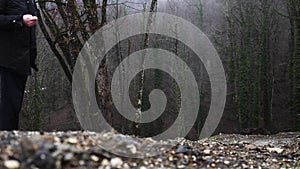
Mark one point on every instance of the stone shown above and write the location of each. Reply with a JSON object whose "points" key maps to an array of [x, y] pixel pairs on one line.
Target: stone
{"points": [[11, 164], [116, 162]]}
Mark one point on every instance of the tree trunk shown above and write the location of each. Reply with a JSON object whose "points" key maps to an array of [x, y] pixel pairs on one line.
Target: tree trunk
{"points": [[294, 10]]}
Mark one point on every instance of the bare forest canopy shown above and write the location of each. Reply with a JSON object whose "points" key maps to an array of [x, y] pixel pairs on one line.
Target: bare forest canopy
{"points": [[258, 42]]}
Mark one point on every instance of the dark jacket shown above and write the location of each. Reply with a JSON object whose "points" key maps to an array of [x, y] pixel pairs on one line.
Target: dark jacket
{"points": [[17, 41]]}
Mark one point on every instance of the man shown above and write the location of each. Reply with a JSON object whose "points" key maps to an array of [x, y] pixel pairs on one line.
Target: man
{"points": [[17, 56]]}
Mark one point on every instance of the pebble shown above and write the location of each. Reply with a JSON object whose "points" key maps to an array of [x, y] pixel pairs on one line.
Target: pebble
{"points": [[251, 147], [185, 161], [185, 148], [116, 162], [72, 140], [94, 158], [205, 144], [43, 159], [105, 162], [68, 156], [226, 162], [276, 150], [194, 158], [12, 164], [181, 166], [206, 152], [126, 166], [81, 162]]}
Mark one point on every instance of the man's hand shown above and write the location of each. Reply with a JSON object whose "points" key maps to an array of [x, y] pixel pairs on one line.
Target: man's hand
{"points": [[29, 20]]}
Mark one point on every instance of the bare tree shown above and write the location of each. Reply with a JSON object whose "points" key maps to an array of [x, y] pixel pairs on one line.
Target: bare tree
{"points": [[294, 15]]}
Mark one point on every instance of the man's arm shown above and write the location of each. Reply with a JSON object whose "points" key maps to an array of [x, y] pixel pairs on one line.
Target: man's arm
{"points": [[9, 21]]}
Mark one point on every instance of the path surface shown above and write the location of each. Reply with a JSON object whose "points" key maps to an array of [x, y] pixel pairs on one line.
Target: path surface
{"points": [[97, 150]]}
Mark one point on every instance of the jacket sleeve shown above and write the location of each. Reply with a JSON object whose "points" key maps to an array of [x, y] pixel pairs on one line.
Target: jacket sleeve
{"points": [[33, 49], [9, 21]]}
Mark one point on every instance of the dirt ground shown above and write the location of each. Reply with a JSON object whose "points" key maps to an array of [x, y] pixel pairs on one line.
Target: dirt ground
{"points": [[82, 149]]}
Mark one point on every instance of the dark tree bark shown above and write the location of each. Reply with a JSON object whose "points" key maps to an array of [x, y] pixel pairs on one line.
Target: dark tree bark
{"points": [[294, 15]]}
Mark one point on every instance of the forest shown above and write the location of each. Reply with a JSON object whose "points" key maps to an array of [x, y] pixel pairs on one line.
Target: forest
{"points": [[258, 42]]}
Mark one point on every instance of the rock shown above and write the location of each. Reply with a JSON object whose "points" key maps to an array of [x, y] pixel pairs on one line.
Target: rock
{"points": [[105, 162], [43, 159], [185, 149], [81, 162], [251, 147], [126, 166], [262, 143], [116, 162], [213, 165], [276, 150], [94, 158], [12, 164], [72, 140], [226, 162], [68, 156], [184, 161], [27, 147], [206, 152]]}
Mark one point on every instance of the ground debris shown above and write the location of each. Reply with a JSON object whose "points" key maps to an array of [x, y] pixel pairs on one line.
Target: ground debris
{"points": [[82, 149]]}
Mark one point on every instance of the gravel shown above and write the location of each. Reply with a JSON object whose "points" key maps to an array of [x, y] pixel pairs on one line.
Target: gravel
{"points": [[89, 150]]}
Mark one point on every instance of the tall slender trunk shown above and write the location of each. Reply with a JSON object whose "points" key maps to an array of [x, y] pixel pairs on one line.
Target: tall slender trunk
{"points": [[294, 11], [142, 76]]}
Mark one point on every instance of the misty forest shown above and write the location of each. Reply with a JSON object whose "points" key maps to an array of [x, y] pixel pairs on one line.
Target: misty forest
{"points": [[257, 41]]}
